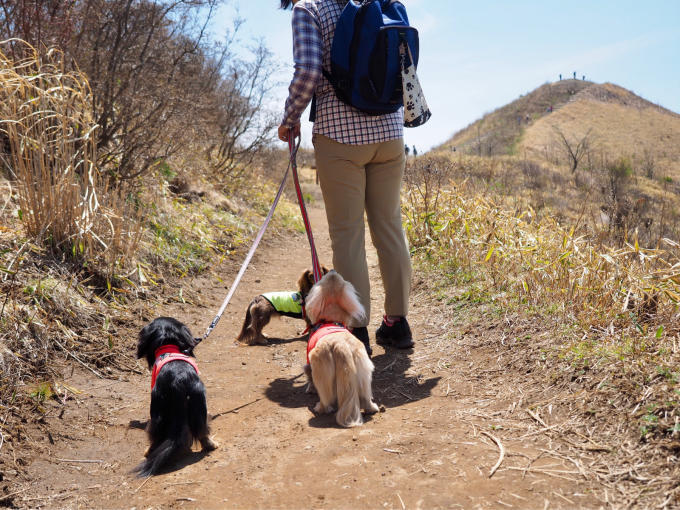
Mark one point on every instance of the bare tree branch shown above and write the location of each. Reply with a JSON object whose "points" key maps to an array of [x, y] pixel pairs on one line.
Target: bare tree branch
{"points": [[575, 150]]}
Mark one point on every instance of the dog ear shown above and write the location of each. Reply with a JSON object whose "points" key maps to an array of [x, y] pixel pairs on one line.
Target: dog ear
{"points": [[185, 340], [315, 303], [306, 282], [348, 300], [303, 282], [146, 342]]}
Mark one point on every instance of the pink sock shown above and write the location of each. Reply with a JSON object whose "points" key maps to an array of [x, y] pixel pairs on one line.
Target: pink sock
{"points": [[390, 320]]}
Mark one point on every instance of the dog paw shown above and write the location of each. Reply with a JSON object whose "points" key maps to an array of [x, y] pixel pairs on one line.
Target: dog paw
{"points": [[147, 452], [209, 444], [372, 409], [320, 409]]}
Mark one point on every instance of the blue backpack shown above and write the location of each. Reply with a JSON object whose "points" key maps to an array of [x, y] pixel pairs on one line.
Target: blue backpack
{"points": [[366, 60]]}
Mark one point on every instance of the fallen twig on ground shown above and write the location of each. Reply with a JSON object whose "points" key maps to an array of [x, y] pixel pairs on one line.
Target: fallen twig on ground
{"points": [[500, 447]]}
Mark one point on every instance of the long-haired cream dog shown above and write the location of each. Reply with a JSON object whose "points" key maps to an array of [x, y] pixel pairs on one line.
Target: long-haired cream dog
{"points": [[340, 368]]}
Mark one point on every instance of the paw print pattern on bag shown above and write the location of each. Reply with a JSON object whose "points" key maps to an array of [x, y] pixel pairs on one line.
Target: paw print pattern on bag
{"points": [[416, 111]]}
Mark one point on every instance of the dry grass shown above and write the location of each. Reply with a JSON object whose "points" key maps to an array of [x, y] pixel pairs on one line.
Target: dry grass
{"points": [[539, 261], [650, 206], [64, 201], [57, 208], [594, 329]]}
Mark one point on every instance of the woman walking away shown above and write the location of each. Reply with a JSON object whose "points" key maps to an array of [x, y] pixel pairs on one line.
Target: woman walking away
{"points": [[360, 162]]}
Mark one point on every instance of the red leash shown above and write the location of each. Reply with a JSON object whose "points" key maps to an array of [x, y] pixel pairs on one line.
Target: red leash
{"points": [[316, 266]]}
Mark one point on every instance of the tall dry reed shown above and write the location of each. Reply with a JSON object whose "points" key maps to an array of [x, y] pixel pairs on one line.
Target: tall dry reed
{"points": [[46, 119]]}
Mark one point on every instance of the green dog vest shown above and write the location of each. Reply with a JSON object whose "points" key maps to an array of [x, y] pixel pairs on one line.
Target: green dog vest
{"points": [[286, 303]]}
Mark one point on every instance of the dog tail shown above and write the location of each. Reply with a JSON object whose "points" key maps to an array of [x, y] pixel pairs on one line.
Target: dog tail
{"points": [[159, 457], [188, 422], [365, 369], [347, 387], [246, 334]]}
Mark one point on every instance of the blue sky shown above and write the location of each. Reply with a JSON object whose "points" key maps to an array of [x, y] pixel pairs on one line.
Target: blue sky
{"points": [[478, 56]]}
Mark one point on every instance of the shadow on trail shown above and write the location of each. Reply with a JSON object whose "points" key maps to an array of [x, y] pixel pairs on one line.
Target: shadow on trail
{"points": [[290, 391], [391, 386], [327, 421], [180, 460], [185, 460], [281, 341], [138, 424]]}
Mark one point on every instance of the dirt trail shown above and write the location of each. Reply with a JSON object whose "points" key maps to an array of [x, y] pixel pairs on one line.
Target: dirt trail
{"points": [[429, 449]]}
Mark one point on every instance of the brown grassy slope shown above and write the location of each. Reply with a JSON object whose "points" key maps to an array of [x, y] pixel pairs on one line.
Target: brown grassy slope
{"points": [[620, 124], [497, 132]]}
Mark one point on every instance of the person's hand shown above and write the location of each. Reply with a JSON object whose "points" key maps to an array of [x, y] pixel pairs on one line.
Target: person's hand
{"points": [[284, 131]]}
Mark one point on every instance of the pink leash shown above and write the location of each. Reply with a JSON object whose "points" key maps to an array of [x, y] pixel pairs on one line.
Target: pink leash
{"points": [[293, 147], [251, 252]]}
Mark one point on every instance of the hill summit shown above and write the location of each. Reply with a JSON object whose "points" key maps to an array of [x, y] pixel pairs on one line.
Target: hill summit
{"points": [[619, 121]]}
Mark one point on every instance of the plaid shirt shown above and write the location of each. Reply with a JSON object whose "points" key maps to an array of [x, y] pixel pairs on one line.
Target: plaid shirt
{"points": [[313, 28]]}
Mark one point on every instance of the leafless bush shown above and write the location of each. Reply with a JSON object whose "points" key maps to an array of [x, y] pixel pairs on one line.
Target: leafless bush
{"points": [[149, 76], [535, 174], [242, 124], [425, 178], [159, 83], [576, 148], [647, 163], [305, 157], [48, 23], [625, 210]]}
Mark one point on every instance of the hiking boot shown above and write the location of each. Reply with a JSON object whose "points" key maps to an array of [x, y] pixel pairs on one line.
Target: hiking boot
{"points": [[362, 334], [397, 335]]}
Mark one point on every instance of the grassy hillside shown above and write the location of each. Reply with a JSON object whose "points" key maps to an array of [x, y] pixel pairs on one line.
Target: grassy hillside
{"points": [[617, 122], [582, 152], [620, 122], [496, 133]]}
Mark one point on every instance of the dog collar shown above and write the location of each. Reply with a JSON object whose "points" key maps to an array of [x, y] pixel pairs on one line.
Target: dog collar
{"points": [[165, 354], [166, 349], [320, 330], [325, 324]]}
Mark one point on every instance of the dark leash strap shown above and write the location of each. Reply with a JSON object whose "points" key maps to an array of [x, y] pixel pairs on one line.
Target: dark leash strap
{"points": [[291, 163], [316, 266]]}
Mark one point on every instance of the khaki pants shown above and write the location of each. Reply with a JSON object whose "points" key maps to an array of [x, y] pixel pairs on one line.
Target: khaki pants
{"points": [[358, 178]]}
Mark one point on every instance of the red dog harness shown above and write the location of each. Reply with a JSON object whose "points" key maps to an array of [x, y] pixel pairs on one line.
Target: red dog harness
{"points": [[165, 354], [321, 330]]}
